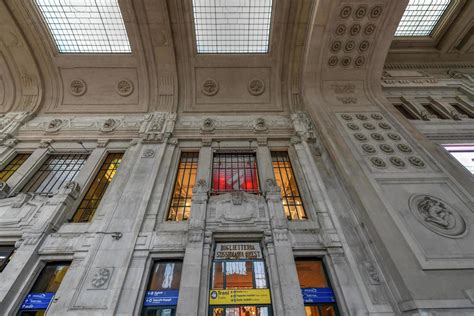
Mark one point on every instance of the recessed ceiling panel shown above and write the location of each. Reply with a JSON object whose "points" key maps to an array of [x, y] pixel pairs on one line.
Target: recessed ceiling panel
{"points": [[232, 26], [421, 17], [86, 26]]}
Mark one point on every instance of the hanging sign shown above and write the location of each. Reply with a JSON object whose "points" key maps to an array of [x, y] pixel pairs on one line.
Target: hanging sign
{"points": [[37, 301], [238, 251], [161, 298], [251, 296], [318, 295]]}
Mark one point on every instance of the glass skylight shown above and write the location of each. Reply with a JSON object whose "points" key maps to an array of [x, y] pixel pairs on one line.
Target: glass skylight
{"points": [[420, 17], [86, 26], [232, 26]]}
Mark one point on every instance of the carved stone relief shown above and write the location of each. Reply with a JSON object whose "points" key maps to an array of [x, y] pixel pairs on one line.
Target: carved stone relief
{"points": [[377, 138], [148, 153], [125, 87], [109, 125], [54, 126], [256, 87], [210, 87], [352, 48], [437, 216], [101, 278], [78, 87]]}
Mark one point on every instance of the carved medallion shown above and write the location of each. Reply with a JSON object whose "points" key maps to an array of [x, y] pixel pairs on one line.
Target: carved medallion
{"points": [[346, 61], [355, 29], [256, 87], [437, 215], [353, 126], [208, 125], [397, 162], [101, 277], [368, 149], [332, 61], [336, 46], [363, 46], [350, 45], [376, 116], [394, 136], [341, 29], [377, 137], [77, 87], [360, 137], [125, 87], [361, 117], [346, 12], [384, 125], [369, 29], [346, 117], [360, 12], [378, 162], [148, 153], [417, 162], [404, 148], [368, 126], [386, 148], [210, 87], [359, 61], [375, 12], [109, 125], [54, 125]]}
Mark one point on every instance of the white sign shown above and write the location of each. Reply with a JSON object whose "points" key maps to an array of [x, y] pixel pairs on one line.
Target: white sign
{"points": [[238, 251]]}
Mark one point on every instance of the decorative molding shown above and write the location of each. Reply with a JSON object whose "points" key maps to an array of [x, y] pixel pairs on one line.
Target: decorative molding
{"points": [[437, 216], [148, 153], [54, 125], [4, 190], [400, 66], [109, 125], [208, 125], [259, 125]]}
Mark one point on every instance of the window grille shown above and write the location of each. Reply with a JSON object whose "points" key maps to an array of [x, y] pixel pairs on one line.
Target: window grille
{"points": [[13, 166], [96, 191], [58, 169], [234, 172], [180, 207], [285, 178], [85, 26]]}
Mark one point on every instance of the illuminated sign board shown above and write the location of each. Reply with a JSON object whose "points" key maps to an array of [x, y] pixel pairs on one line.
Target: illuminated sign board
{"points": [[318, 295], [37, 301], [238, 251], [161, 298], [239, 297]]}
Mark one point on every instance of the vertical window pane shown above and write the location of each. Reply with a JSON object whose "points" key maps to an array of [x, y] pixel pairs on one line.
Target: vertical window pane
{"points": [[234, 172], [96, 191], [464, 153], [6, 253], [218, 275], [56, 170], [285, 179], [238, 275], [180, 207], [311, 273], [165, 276], [13, 166], [260, 277]]}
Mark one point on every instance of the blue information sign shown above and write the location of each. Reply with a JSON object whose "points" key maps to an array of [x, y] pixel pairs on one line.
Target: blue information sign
{"points": [[37, 301], [318, 295], [161, 298]]}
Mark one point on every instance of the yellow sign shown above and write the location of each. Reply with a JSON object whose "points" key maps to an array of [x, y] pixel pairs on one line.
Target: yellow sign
{"points": [[239, 297]]}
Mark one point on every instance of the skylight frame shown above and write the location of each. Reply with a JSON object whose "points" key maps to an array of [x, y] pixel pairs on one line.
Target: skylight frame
{"points": [[210, 16], [85, 26], [418, 22]]}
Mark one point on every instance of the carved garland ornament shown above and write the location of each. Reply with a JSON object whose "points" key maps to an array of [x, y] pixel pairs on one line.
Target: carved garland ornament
{"points": [[437, 216], [101, 277]]}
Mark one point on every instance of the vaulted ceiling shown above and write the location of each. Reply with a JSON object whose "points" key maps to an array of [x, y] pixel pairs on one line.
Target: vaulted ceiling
{"points": [[164, 72]]}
